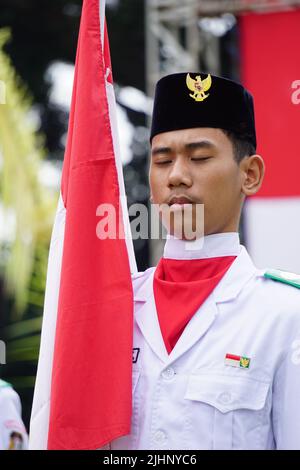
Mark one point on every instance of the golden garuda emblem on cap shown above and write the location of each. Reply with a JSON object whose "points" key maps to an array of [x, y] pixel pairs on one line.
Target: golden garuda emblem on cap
{"points": [[198, 86]]}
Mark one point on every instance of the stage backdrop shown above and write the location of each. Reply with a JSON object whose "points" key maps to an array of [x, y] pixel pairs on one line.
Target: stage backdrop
{"points": [[270, 69]]}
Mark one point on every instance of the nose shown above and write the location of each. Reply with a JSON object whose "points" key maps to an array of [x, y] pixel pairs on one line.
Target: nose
{"points": [[180, 174]]}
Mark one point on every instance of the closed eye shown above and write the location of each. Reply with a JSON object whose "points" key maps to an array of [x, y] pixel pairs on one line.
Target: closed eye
{"points": [[164, 162], [198, 159]]}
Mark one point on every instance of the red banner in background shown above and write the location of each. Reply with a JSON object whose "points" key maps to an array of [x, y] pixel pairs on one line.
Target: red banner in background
{"points": [[270, 69]]}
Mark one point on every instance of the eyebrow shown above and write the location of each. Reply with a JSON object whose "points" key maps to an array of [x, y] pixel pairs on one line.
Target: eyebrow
{"points": [[203, 144]]}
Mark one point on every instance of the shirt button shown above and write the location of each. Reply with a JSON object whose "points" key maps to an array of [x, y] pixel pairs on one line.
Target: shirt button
{"points": [[168, 373], [160, 436], [225, 398]]}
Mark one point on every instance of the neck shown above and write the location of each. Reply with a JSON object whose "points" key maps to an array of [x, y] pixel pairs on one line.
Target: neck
{"points": [[208, 246]]}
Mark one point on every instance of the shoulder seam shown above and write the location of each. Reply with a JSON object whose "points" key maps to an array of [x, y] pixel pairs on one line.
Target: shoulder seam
{"points": [[284, 277]]}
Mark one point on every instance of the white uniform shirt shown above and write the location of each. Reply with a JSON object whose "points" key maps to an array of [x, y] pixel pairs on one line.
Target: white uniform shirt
{"points": [[191, 399], [13, 435]]}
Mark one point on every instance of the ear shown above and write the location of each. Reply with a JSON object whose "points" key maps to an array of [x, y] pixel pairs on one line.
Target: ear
{"points": [[253, 170]]}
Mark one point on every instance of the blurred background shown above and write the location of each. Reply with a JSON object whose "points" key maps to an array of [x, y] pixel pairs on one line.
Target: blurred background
{"points": [[256, 42]]}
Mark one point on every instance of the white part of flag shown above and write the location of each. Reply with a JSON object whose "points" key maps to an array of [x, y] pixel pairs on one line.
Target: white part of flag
{"points": [[41, 401]]}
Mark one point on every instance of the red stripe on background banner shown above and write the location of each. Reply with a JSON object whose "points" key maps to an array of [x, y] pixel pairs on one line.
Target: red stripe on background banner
{"points": [[91, 393], [270, 67]]}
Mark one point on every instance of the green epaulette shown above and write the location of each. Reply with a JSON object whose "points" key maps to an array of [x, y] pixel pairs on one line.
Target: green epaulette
{"points": [[283, 276], [4, 384]]}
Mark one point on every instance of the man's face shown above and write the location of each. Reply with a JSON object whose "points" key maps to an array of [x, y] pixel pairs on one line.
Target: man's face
{"points": [[199, 165]]}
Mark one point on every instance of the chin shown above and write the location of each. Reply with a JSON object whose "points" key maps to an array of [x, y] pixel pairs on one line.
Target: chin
{"points": [[186, 234]]}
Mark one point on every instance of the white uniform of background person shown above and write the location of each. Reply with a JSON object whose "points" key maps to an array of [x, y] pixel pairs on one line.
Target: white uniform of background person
{"points": [[13, 435], [191, 399]]}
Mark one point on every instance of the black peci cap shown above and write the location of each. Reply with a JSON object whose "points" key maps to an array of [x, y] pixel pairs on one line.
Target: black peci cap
{"points": [[188, 100]]}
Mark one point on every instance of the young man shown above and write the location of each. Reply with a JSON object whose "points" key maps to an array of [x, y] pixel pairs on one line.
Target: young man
{"points": [[216, 358]]}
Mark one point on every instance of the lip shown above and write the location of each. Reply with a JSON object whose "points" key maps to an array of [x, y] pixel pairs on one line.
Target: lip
{"points": [[181, 200]]}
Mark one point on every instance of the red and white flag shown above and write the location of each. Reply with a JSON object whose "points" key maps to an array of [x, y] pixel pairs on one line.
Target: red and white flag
{"points": [[82, 397]]}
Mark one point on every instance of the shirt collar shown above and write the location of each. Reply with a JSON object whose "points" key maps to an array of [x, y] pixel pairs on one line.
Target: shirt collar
{"points": [[209, 246], [239, 273]]}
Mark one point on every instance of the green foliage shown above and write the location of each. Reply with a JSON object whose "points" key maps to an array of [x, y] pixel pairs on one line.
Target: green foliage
{"points": [[24, 253], [31, 206]]}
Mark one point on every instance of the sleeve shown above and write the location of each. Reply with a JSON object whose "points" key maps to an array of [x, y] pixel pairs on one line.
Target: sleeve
{"points": [[286, 396], [13, 435]]}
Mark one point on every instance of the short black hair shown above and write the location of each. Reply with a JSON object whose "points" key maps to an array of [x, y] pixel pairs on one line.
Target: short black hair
{"points": [[241, 147]]}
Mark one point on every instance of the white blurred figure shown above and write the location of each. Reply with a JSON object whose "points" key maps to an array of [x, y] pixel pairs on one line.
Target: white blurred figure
{"points": [[13, 435]]}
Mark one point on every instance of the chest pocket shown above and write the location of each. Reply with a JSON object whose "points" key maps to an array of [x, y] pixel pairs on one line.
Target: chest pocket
{"points": [[237, 404], [136, 404]]}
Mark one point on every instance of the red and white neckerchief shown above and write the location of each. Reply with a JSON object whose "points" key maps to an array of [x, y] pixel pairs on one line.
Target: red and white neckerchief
{"points": [[186, 275]]}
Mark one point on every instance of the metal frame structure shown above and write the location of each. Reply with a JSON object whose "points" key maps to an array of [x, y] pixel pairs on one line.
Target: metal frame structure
{"points": [[174, 41]]}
